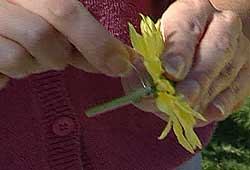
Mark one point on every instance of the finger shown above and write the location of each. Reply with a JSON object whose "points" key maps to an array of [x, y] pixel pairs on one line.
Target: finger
{"points": [[224, 104], [40, 39], [238, 105], [229, 73], [183, 25], [102, 50], [215, 51], [15, 61], [79, 61], [3, 81], [32, 32], [139, 78]]}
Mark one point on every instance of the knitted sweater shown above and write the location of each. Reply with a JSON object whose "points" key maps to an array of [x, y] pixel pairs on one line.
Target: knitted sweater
{"points": [[43, 127]]}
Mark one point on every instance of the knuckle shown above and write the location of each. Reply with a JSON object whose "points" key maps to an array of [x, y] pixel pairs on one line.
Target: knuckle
{"points": [[206, 76], [228, 22], [214, 90], [62, 8], [235, 88], [233, 20], [225, 46], [15, 61], [200, 4], [223, 43], [227, 41], [211, 91], [195, 27], [37, 34], [203, 77], [12, 58], [231, 16], [229, 72]]}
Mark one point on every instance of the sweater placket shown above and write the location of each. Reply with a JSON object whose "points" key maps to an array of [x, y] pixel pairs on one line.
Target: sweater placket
{"points": [[60, 123]]}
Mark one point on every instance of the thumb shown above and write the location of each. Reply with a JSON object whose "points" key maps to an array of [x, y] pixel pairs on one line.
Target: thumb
{"points": [[183, 25]]}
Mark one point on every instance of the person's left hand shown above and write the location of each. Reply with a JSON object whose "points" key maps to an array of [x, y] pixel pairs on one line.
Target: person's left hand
{"points": [[208, 55]]}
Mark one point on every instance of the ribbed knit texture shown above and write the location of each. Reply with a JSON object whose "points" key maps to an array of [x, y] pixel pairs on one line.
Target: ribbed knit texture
{"points": [[43, 127], [52, 97]]}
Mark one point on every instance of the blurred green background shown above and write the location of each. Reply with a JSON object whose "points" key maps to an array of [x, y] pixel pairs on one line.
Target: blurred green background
{"points": [[230, 147]]}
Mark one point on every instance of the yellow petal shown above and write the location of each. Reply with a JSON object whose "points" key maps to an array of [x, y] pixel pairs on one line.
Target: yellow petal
{"points": [[137, 40], [150, 23], [180, 137], [145, 29], [187, 108], [165, 85], [164, 103], [152, 38], [154, 69], [150, 45], [166, 130], [187, 122], [193, 139], [184, 117]]}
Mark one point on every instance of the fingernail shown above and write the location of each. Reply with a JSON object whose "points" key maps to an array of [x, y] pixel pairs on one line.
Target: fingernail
{"points": [[190, 89], [174, 65], [215, 111], [220, 107], [117, 66]]}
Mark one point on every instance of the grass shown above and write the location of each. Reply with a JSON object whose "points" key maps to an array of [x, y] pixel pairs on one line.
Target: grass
{"points": [[230, 147]]}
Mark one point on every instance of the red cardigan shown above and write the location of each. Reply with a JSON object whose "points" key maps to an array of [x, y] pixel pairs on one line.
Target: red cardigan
{"points": [[43, 127]]}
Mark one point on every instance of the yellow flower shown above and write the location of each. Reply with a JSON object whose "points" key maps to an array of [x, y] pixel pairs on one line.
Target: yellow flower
{"points": [[181, 117]]}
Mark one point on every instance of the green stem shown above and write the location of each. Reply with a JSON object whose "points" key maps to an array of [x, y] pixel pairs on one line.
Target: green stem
{"points": [[134, 96]]}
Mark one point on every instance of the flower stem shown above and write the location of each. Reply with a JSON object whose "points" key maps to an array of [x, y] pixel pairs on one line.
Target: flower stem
{"points": [[134, 96]]}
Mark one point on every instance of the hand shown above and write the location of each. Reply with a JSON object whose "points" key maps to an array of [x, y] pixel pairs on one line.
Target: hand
{"points": [[37, 36], [208, 55]]}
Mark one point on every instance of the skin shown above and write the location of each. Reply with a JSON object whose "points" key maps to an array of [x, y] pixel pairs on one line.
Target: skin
{"points": [[42, 35], [207, 54]]}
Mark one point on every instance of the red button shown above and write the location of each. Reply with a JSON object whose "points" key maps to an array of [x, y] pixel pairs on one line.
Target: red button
{"points": [[63, 126]]}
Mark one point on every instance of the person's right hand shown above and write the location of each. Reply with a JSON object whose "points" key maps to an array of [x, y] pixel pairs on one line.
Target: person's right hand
{"points": [[208, 56], [37, 36]]}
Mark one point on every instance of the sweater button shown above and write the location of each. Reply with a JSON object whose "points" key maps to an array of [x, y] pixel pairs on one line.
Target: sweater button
{"points": [[63, 126]]}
